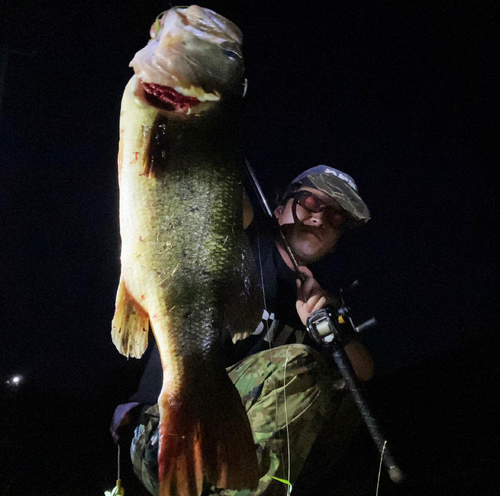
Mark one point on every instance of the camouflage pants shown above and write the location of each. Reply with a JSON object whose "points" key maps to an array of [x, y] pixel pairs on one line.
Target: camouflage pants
{"points": [[288, 392]]}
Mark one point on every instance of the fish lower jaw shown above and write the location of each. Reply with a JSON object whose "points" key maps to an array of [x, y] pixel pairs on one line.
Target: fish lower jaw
{"points": [[198, 93], [183, 101]]}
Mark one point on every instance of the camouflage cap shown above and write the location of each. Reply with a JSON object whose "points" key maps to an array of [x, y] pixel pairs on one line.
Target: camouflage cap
{"points": [[338, 185]]}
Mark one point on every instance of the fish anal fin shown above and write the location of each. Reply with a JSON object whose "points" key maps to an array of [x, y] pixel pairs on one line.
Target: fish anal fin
{"points": [[205, 437], [130, 326]]}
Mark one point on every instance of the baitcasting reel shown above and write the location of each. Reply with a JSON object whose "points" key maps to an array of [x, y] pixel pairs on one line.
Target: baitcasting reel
{"points": [[334, 327]]}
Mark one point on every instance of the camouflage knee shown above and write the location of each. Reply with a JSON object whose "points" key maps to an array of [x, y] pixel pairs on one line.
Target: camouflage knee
{"points": [[287, 392], [144, 449]]}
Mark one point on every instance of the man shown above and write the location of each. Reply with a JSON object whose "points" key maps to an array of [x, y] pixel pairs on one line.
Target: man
{"points": [[287, 387]]}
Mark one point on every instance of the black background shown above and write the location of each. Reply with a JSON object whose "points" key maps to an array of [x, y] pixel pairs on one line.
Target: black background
{"points": [[398, 94]]}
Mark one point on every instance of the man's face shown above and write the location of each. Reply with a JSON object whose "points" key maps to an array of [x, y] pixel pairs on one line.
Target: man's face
{"points": [[313, 234]]}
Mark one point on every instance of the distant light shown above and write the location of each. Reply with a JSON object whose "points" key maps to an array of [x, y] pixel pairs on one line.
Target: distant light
{"points": [[14, 382]]}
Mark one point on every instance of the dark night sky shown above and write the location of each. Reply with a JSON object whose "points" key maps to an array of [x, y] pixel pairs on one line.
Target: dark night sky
{"points": [[399, 94]]}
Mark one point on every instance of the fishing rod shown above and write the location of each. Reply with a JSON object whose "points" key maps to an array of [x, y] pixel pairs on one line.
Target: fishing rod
{"points": [[272, 219], [333, 328]]}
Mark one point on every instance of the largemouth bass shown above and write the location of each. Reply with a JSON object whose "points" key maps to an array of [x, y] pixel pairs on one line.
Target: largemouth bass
{"points": [[184, 253]]}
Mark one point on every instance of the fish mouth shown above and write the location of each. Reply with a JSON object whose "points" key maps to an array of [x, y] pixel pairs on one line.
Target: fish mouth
{"points": [[177, 99], [167, 98]]}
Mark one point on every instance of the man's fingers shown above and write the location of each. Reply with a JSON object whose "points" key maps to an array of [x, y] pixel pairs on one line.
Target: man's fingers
{"points": [[307, 288], [319, 305], [311, 302], [315, 303], [305, 271], [310, 295]]}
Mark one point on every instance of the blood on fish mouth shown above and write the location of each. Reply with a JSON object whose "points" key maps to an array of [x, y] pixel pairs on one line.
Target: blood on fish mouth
{"points": [[167, 98]]}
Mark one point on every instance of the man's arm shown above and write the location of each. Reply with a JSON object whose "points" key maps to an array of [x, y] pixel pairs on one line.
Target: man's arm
{"points": [[311, 297]]}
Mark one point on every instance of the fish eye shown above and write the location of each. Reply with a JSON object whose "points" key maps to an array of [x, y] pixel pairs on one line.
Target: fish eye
{"points": [[230, 54]]}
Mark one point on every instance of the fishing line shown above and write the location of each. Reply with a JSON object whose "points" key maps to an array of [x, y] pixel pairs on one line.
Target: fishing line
{"points": [[262, 285], [289, 489], [118, 464], [380, 468], [267, 329], [276, 413], [118, 489], [287, 429]]}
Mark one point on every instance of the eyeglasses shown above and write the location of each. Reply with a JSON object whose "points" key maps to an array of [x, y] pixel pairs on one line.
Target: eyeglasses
{"points": [[336, 216]]}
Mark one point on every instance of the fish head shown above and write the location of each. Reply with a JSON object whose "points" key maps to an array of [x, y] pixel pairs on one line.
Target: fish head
{"points": [[196, 53]]}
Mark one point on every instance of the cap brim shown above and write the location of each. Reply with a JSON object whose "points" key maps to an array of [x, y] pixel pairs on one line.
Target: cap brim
{"points": [[347, 197]]}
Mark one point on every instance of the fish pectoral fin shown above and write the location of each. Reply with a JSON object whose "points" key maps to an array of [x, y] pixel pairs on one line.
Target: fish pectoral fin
{"points": [[130, 326]]}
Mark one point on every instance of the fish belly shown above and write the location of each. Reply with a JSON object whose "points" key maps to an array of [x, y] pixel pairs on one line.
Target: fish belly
{"points": [[183, 248]]}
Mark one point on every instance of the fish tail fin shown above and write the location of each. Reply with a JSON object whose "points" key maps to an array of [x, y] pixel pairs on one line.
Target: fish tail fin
{"points": [[205, 438], [130, 326]]}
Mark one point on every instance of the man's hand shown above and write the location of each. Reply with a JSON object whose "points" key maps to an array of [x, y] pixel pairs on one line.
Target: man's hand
{"points": [[310, 295], [121, 418]]}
